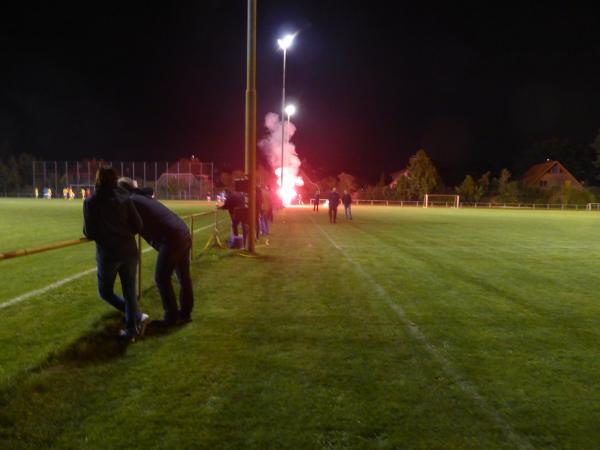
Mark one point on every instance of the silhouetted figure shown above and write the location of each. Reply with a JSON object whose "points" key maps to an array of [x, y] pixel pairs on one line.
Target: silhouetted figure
{"points": [[334, 201], [317, 200], [110, 219], [236, 205], [347, 202], [171, 238]]}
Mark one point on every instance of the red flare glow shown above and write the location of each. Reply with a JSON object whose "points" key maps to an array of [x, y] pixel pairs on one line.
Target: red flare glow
{"points": [[287, 193]]}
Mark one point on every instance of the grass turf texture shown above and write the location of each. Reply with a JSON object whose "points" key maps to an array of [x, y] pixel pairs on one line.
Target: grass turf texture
{"points": [[404, 328]]}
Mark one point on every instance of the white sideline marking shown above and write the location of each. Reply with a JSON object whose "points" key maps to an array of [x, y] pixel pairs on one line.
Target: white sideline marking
{"points": [[414, 331], [64, 281]]}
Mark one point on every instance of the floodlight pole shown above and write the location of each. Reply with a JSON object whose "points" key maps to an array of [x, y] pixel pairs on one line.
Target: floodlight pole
{"points": [[282, 121], [250, 146]]}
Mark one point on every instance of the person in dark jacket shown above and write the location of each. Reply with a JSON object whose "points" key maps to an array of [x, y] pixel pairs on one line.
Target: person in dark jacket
{"points": [[236, 205], [259, 199], [334, 201], [316, 200], [110, 219], [170, 236], [347, 202]]}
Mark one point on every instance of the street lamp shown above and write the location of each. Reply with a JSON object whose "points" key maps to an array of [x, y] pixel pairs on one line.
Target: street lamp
{"points": [[284, 44]]}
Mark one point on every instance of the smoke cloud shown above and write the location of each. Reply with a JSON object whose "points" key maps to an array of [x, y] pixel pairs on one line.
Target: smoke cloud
{"points": [[271, 145]]}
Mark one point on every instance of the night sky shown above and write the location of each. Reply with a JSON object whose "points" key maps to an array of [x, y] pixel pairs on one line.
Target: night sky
{"points": [[475, 86]]}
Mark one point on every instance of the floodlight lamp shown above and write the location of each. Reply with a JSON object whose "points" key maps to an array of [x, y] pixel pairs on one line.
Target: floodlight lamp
{"points": [[290, 110], [285, 42]]}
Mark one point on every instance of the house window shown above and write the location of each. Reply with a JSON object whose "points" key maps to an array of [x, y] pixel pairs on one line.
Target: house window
{"points": [[555, 169], [543, 183]]}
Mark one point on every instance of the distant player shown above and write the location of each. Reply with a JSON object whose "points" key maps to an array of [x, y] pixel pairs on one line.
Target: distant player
{"points": [[334, 201], [316, 201], [347, 202]]}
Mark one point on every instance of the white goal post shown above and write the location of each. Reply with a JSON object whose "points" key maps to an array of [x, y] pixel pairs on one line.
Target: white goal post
{"points": [[448, 201]]}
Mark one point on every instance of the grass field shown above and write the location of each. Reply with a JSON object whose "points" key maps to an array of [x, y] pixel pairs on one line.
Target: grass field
{"points": [[405, 328]]}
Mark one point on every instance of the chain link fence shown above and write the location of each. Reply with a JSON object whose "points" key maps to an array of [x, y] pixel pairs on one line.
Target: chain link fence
{"points": [[186, 179]]}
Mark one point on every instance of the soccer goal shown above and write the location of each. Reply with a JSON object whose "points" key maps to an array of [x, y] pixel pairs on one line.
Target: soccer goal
{"points": [[447, 201], [593, 206]]}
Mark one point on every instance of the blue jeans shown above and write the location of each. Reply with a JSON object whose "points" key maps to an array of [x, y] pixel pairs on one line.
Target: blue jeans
{"points": [[175, 256], [107, 274], [348, 211]]}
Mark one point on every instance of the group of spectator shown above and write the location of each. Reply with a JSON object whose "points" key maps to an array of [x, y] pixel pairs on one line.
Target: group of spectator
{"points": [[333, 201], [236, 203], [113, 215]]}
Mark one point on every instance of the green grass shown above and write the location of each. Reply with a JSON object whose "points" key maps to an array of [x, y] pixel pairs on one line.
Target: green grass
{"points": [[406, 328]]}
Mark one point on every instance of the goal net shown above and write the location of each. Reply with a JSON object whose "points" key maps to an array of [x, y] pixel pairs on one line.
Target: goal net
{"points": [[439, 200]]}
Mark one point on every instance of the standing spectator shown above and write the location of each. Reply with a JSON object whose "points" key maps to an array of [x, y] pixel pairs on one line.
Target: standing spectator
{"points": [[36, 193], [266, 210], [170, 236], [334, 201], [273, 200], [347, 201], [259, 200], [235, 204], [112, 221], [317, 200]]}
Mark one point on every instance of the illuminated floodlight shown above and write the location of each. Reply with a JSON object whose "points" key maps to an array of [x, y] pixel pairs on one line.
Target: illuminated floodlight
{"points": [[290, 110], [285, 43]]}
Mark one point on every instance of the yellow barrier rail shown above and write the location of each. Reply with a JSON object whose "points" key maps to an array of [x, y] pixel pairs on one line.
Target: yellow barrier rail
{"points": [[43, 248], [81, 240]]}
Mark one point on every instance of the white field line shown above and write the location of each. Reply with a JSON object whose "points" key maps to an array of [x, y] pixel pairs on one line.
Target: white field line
{"points": [[413, 330], [64, 281]]}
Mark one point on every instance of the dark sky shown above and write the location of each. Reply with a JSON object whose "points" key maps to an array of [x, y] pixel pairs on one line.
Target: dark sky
{"points": [[475, 86]]}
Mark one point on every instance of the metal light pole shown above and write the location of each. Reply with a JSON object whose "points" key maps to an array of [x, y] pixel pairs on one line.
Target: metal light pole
{"points": [[283, 44], [290, 110], [250, 137]]}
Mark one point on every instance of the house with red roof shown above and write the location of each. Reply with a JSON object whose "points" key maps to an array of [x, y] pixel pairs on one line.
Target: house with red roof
{"points": [[548, 175]]}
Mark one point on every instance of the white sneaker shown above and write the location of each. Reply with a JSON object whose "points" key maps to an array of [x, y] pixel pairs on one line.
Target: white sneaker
{"points": [[127, 335], [143, 324]]}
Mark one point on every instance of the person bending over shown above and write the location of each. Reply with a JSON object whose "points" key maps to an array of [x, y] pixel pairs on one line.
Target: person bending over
{"points": [[170, 236]]}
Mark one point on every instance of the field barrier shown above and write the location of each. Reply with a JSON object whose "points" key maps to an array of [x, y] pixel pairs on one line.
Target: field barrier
{"points": [[214, 240], [178, 180], [488, 205]]}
